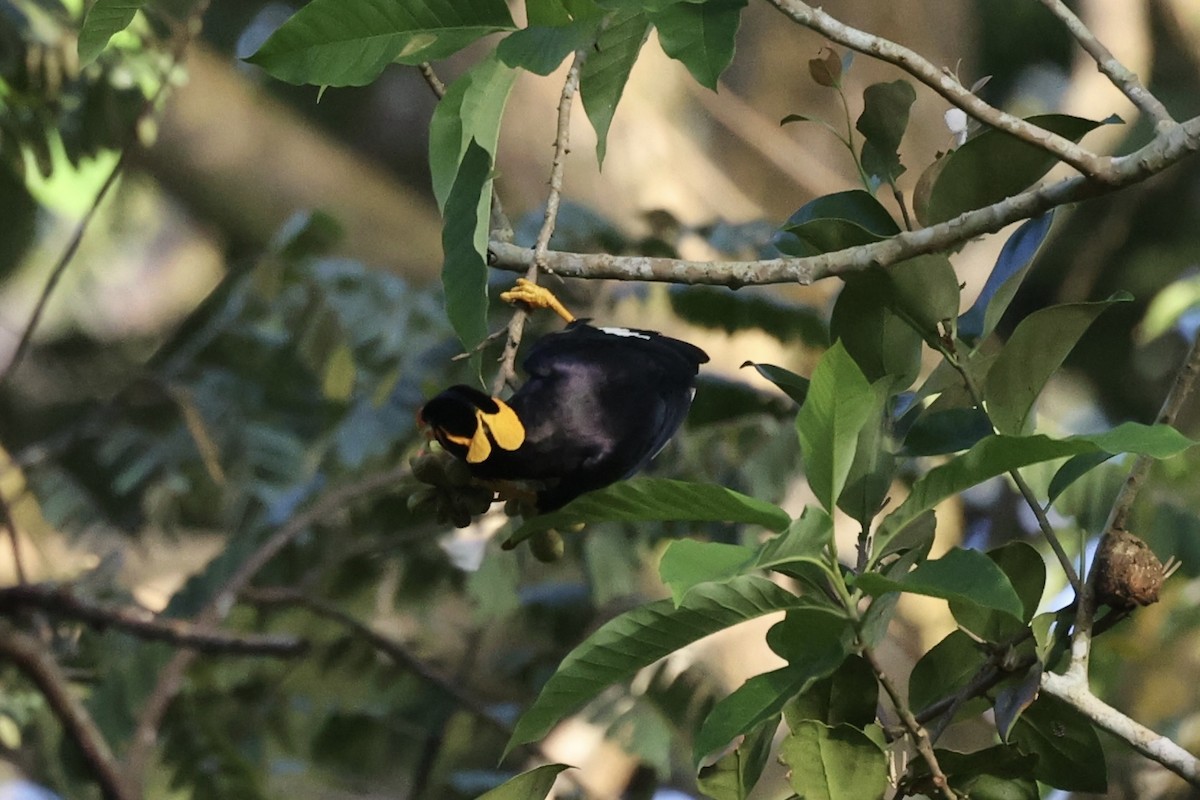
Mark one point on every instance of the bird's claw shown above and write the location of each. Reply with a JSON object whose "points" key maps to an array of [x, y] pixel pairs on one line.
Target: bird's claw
{"points": [[535, 297]]}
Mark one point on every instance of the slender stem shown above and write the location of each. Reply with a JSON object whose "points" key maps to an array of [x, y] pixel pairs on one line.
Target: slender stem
{"points": [[915, 730], [10, 527], [170, 678], [562, 146], [60, 601], [1120, 75], [40, 667], [1023, 487], [60, 268], [944, 83]]}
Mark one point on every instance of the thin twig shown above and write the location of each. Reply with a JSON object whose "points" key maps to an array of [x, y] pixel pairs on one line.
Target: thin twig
{"points": [[60, 267], [393, 649], [1031, 500], [1120, 75], [562, 146], [60, 601], [1164, 150], [431, 78], [918, 733], [40, 667], [1181, 389], [945, 84], [170, 678]]}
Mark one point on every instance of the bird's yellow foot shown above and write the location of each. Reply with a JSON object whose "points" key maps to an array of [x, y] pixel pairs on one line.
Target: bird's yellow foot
{"points": [[535, 297]]}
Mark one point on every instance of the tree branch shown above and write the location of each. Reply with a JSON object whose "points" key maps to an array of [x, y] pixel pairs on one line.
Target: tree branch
{"points": [[562, 146], [393, 649], [1164, 150], [918, 733], [945, 84], [170, 679], [39, 666], [1120, 75], [1154, 746], [60, 601]]}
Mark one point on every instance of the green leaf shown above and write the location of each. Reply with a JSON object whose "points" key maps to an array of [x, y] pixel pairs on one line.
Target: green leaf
{"points": [[656, 499], [997, 455], [807, 539], [999, 772], [700, 36], [925, 292], [838, 763], [532, 785], [541, 48], [947, 667], [1034, 352], [816, 639], [1026, 571], [603, 76], [464, 242], [879, 339], [992, 166], [752, 705], [1069, 753], [882, 123], [470, 110], [841, 220], [965, 576], [638, 638], [687, 562], [1005, 278], [1072, 470], [349, 42], [874, 465], [104, 18], [849, 695], [791, 384], [735, 774], [839, 404]]}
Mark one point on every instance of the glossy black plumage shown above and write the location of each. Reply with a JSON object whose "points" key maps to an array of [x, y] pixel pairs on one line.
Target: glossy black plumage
{"points": [[597, 405]]}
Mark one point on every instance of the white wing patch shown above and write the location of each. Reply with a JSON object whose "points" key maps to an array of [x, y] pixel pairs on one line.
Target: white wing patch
{"points": [[624, 332]]}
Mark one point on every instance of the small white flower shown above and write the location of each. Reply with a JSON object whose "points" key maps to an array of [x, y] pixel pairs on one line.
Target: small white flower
{"points": [[956, 121]]}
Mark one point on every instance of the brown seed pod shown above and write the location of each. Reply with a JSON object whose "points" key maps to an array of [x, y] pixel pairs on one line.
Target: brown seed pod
{"points": [[1128, 573]]}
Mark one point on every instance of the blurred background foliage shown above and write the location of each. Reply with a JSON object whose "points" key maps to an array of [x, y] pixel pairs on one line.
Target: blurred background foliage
{"points": [[252, 318]]}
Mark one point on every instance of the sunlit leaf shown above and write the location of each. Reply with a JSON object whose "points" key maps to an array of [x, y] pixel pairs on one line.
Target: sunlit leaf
{"points": [[687, 562], [838, 405], [996, 455], [637, 638], [349, 42], [700, 36], [471, 109], [603, 76], [838, 763], [464, 242], [1035, 351], [104, 18], [965, 576], [532, 785]]}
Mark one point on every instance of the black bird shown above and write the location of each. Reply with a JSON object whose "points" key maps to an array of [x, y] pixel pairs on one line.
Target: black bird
{"points": [[597, 405]]}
